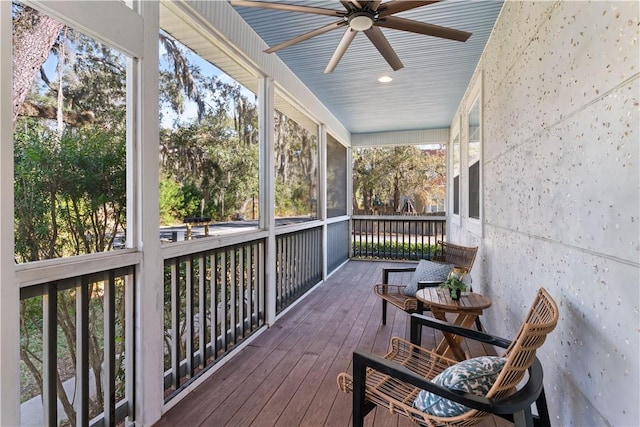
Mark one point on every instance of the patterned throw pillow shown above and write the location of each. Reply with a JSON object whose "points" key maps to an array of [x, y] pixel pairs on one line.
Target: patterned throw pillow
{"points": [[427, 271], [472, 376]]}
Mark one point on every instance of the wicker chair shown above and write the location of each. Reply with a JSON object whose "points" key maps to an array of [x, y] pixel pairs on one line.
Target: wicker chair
{"points": [[460, 256], [393, 381]]}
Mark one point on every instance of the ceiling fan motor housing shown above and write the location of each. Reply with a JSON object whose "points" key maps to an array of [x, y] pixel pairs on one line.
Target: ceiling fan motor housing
{"points": [[361, 20]]}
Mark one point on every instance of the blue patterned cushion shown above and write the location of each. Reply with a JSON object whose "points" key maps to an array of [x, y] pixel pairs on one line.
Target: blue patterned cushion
{"points": [[472, 376], [427, 271]]}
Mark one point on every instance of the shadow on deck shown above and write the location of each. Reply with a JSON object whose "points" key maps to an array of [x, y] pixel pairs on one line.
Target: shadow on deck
{"points": [[287, 375]]}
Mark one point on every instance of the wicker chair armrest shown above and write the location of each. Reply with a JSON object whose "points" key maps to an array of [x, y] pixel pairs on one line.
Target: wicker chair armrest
{"points": [[428, 284], [519, 401], [385, 288], [386, 271], [421, 320]]}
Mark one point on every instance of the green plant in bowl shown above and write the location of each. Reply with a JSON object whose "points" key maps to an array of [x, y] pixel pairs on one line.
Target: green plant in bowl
{"points": [[454, 283]]}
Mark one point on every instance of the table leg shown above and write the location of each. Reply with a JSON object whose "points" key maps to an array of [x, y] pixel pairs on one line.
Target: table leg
{"points": [[450, 345]]}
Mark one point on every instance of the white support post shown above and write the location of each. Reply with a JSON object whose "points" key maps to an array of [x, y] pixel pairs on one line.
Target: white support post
{"points": [[322, 182], [350, 180], [350, 194], [267, 188], [144, 222], [9, 292]]}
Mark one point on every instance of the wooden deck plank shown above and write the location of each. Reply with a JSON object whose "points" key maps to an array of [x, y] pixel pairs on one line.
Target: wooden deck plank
{"points": [[287, 375]]}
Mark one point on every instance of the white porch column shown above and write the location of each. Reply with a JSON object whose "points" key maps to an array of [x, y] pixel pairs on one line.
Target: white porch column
{"points": [[9, 293], [322, 191], [267, 188], [149, 382]]}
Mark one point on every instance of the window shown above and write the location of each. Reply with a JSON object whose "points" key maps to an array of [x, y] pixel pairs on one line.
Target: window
{"points": [[70, 143], [456, 174], [474, 160], [295, 164], [336, 178], [209, 152]]}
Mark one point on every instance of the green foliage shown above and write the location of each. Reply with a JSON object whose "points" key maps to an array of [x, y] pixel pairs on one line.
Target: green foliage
{"points": [[383, 176], [171, 201], [296, 169], [392, 250], [70, 190], [453, 284], [214, 157]]}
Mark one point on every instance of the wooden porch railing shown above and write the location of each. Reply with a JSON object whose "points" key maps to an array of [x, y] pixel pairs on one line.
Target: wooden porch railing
{"points": [[396, 237], [86, 352], [298, 264], [214, 300]]}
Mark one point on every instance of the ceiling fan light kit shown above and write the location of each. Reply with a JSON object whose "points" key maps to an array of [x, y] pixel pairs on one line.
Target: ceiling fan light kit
{"points": [[360, 21], [365, 16]]}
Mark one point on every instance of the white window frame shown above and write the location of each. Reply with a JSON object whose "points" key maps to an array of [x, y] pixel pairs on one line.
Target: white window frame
{"points": [[455, 134], [474, 225]]}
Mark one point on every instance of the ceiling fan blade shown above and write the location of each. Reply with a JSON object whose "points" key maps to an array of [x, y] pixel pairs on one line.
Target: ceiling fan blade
{"points": [[351, 4], [306, 36], [412, 26], [288, 7], [396, 6], [382, 44], [374, 5], [371, 5], [347, 38]]}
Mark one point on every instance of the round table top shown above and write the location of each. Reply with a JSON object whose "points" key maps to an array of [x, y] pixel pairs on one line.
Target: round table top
{"points": [[435, 297]]}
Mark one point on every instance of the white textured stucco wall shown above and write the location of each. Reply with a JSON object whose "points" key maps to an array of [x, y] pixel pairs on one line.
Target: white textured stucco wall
{"points": [[561, 90]]}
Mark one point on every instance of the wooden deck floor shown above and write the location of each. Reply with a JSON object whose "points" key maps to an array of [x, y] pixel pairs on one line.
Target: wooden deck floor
{"points": [[287, 376]]}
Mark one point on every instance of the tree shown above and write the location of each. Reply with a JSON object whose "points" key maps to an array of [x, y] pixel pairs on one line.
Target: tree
{"points": [[296, 157], [393, 174], [214, 156], [33, 36]]}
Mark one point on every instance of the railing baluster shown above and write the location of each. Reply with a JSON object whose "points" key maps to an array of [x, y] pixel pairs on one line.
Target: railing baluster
{"points": [[109, 360], [384, 238], [355, 227], [261, 282], [216, 332], [294, 262], [377, 228], [82, 353], [175, 324], [250, 286], [189, 315], [360, 238], [202, 314], [235, 294], [224, 282], [241, 288], [50, 355], [215, 319], [130, 340]]}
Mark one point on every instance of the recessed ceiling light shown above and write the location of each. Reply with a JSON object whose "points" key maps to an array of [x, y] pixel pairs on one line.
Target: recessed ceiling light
{"points": [[385, 79]]}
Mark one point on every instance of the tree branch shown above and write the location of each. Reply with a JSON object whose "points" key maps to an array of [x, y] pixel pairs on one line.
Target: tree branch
{"points": [[29, 109]]}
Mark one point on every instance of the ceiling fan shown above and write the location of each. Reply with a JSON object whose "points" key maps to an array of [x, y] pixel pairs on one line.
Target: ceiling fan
{"points": [[362, 16]]}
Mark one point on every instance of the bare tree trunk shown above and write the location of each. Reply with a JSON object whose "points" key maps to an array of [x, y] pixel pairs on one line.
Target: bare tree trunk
{"points": [[396, 193], [33, 36], [60, 104]]}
